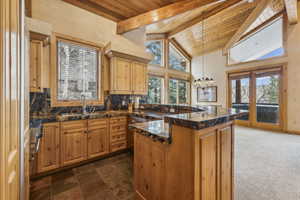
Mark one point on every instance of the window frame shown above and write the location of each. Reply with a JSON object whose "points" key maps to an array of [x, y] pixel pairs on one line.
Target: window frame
{"points": [[56, 37], [167, 73], [177, 92], [257, 30], [163, 86], [188, 67], [162, 52]]}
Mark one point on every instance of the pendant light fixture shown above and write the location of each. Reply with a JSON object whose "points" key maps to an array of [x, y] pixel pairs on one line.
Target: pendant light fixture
{"points": [[205, 81]]}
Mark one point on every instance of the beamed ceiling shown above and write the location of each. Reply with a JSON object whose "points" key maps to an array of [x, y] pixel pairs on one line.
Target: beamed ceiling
{"points": [[182, 19]]}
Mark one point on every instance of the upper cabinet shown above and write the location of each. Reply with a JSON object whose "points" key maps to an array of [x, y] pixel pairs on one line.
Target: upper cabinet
{"points": [[36, 60], [128, 74], [39, 62]]}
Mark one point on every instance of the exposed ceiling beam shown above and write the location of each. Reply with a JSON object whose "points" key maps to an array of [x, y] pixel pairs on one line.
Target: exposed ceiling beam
{"points": [[292, 11], [156, 15], [96, 9], [204, 15], [251, 18]]}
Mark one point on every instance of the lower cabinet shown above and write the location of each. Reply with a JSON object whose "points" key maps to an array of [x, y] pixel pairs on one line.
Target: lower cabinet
{"points": [[49, 153], [70, 142], [73, 142], [98, 137], [149, 168]]}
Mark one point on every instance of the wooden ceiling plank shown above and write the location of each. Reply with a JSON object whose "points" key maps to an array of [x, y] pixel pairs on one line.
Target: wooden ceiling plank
{"points": [[96, 9], [251, 18], [292, 11], [160, 14], [204, 15]]}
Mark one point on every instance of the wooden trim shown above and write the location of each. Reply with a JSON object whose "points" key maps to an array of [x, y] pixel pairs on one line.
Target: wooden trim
{"points": [[113, 53], [53, 71], [252, 17], [28, 8], [202, 16], [38, 36], [156, 36], [291, 7], [159, 14], [174, 42], [96, 9], [262, 26]]}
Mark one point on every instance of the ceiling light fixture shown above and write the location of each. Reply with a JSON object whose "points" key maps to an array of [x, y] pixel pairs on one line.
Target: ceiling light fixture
{"points": [[205, 81]]}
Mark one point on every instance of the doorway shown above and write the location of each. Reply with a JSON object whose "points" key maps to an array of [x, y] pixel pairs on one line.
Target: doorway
{"points": [[261, 92]]}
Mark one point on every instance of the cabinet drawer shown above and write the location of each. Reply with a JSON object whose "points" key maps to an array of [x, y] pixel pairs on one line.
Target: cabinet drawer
{"points": [[97, 124], [118, 146], [74, 126], [118, 137], [118, 120], [118, 128]]}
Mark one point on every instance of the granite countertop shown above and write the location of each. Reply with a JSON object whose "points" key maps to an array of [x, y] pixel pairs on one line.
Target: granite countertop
{"points": [[210, 116], [157, 130]]}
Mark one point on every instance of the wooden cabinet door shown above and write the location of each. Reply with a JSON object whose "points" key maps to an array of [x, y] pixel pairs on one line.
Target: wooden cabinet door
{"points": [[36, 49], [73, 142], [98, 137], [226, 162], [149, 168], [139, 78], [207, 166], [49, 153], [121, 76]]}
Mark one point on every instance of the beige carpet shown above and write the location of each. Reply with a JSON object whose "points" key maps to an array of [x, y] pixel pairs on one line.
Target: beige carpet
{"points": [[267, 165]]}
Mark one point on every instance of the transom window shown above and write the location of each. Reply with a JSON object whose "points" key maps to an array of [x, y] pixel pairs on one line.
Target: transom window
{"points": [[265, 43], [156, 49], [176, 60]]}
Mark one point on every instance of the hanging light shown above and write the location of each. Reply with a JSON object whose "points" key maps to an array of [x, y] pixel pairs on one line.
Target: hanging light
{"points": [[204, 81]]}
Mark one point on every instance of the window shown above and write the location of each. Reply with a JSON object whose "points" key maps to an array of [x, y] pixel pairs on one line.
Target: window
{"points": [[156, 48], [178, 91], [155, 90], [77, 73], [265, 43], [176, 60]]}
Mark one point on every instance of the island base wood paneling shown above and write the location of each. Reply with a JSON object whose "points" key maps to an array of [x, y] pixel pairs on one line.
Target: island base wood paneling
{"points": [[197, 165]]}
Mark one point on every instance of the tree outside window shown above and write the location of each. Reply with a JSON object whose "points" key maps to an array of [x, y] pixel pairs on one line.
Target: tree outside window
{"points": [[155, 90], [176, 60], [178, 91], [156, 49]]}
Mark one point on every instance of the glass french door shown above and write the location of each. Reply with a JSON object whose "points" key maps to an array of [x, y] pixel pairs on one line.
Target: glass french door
{"points": [[260, 92]]}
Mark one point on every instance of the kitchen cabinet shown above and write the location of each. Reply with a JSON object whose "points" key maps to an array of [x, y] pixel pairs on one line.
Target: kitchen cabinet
{"points": [[36, 61], [203, 159], [73, 142], [149, 168], [139, 78], [118, 133], [98, 137], [49, 154], [127, 76]]}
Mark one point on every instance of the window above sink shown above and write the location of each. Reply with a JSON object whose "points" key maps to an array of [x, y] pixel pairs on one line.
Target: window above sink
{"points": [[76, 72]]}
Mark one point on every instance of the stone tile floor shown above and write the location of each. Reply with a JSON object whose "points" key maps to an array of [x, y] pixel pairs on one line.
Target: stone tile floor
{"points": [[107, 179]]}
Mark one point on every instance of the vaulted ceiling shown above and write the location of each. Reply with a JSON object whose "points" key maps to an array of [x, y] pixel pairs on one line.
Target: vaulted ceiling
{"points": [[199, 26]]}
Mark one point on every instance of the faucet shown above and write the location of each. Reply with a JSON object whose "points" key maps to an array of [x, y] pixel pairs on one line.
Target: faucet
{"points": [[83, 102]]}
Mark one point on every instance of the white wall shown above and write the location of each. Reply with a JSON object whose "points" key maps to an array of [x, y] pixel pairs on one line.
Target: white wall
{"points": [[216, 68]]}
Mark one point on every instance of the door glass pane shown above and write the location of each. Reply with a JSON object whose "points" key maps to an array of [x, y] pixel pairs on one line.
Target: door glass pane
{"points": [[240, 93], [267, 98]]}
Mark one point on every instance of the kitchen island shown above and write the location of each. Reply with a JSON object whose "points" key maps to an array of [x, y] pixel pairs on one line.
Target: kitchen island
{"points": [[186, 156]]}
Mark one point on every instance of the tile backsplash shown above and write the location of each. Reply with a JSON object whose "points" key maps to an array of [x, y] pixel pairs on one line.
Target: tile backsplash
{"points": [[41, 103]]}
